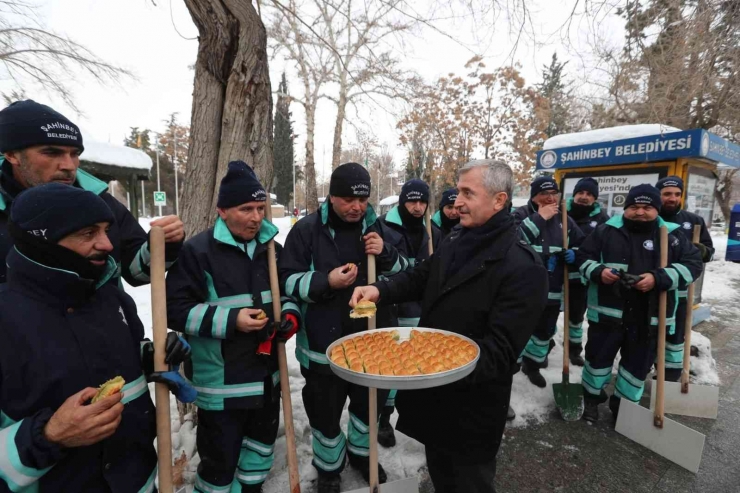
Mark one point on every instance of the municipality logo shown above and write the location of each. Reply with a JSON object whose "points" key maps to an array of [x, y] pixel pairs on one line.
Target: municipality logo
{"points": [[593, 224], [548, 159], [704, 145], [648, 244], [687, 225]]}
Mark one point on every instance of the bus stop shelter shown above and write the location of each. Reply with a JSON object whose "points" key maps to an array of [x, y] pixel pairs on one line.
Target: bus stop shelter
{"points": [[622, 157]]}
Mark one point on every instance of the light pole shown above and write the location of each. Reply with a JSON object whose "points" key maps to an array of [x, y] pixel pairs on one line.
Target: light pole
{"points": [[174, 164], [156, 151]]}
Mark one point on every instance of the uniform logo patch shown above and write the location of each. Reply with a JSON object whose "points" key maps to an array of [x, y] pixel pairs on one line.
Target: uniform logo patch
{"points": [[687, 225], [593, 224], [648, 244]]}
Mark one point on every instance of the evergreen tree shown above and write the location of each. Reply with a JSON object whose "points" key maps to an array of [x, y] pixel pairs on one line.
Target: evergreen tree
{"points": [[283, 147], [556, 92]]}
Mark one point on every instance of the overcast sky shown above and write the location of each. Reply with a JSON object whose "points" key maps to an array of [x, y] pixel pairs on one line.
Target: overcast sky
{"points": [[157, 43]]}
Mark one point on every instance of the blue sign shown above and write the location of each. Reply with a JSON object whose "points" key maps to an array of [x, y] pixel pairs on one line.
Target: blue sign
{"points": [[695, 143], [733, 238]]}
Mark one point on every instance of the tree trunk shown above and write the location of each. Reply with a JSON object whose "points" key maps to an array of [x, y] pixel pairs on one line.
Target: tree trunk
{"points": [[232, 104], [336, 150], [723, 192], [312, 201]]}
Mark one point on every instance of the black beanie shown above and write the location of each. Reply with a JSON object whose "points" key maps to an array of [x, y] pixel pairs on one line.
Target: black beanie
{"points": [[350, 180], [54, 210], [27, 123], [643, 194], [543, 184], [669, 181], [414, 190], [239, 186], [448, 198], [587, 185]]}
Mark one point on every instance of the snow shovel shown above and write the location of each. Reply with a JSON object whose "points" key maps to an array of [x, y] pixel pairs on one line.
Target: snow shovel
{"points": [[295, 482], [568, 398], [408, 485], [701, 401], [651, 429], [159, 329]]}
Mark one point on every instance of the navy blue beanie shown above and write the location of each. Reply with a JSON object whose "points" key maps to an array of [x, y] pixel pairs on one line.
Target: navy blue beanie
{"points": [[644, 194], [543, 184], [414, 190], [669, 181], [239, 186], [448, 198], [350, 180], [27, 123], [587, 185], [54, 210]]}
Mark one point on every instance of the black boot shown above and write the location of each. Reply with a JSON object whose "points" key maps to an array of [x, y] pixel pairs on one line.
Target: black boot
{"points": [[614, 402], [574, 355], [532, 370], [673, 374], [590, 410], [362, 464], [510, 414], [251, 488], [386, 437], [329, 483], [546, 363]]}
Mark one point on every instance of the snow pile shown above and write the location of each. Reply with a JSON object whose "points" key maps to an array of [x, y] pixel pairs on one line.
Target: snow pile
{"points": [[703, 367], [114, 155], [607, 135], [392, 200]]}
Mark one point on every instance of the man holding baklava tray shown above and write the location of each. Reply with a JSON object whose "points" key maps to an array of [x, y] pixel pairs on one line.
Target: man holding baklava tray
{"points": [[485, 283]]}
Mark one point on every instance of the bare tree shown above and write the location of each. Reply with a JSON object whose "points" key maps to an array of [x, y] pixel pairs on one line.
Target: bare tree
{"points": [[313, 62], [31, 54], [232, 103]]}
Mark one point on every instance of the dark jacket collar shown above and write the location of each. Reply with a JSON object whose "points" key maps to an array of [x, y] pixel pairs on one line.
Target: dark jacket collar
{"points": [[56, 286]]}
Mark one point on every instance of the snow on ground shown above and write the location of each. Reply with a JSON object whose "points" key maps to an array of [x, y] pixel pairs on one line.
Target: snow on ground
{"points": [[607, 135], [533, 405]]}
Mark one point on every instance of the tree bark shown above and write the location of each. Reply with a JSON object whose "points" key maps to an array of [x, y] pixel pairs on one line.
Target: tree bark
{"points": [[336, 150], [232, 104], [312, 201]]}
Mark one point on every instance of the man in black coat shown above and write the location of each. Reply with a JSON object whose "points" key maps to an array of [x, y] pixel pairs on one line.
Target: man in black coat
{"points": [[487, 284], [65, 330], [447, 216], [671, 192], [40, 145], [586, 211]]}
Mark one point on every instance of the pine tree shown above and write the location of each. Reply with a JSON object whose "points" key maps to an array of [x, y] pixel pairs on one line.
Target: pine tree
{"points": [[283, 146], [556, 92]]}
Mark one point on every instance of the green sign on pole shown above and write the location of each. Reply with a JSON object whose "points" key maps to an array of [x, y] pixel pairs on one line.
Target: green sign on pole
{"points": [[160, 198]]}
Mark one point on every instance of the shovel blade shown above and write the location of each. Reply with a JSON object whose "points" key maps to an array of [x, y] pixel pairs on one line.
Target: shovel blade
{"points": [[569, 399], [702, 401], [674, 441], [407, 485]]}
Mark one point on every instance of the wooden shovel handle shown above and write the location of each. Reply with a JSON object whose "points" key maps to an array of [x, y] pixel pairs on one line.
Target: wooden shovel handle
{"points": [[159, 329], [662, 299], [566, 294], [689, 325], [428, 219], [373, 398], [295, 481]]}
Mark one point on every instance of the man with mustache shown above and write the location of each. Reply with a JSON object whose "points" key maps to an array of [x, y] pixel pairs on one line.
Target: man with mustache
{"points": [[324, 258], [540, 223], [623, 315], [64, 332], [586, 211], [671, 191], [40, 145], [218, 294], [407, 219], [485, 283], [447, 217]]}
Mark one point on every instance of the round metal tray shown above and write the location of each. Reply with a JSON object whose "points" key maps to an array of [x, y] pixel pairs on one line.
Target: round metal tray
{"points": [[403, 382]]}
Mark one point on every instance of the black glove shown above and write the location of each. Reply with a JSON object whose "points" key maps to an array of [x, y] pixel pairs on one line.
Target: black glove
{"points": [[176, 351], [288, 327], [704, 251]]}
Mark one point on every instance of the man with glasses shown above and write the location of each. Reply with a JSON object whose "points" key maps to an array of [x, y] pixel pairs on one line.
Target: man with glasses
{"points": [[540, 224]]}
